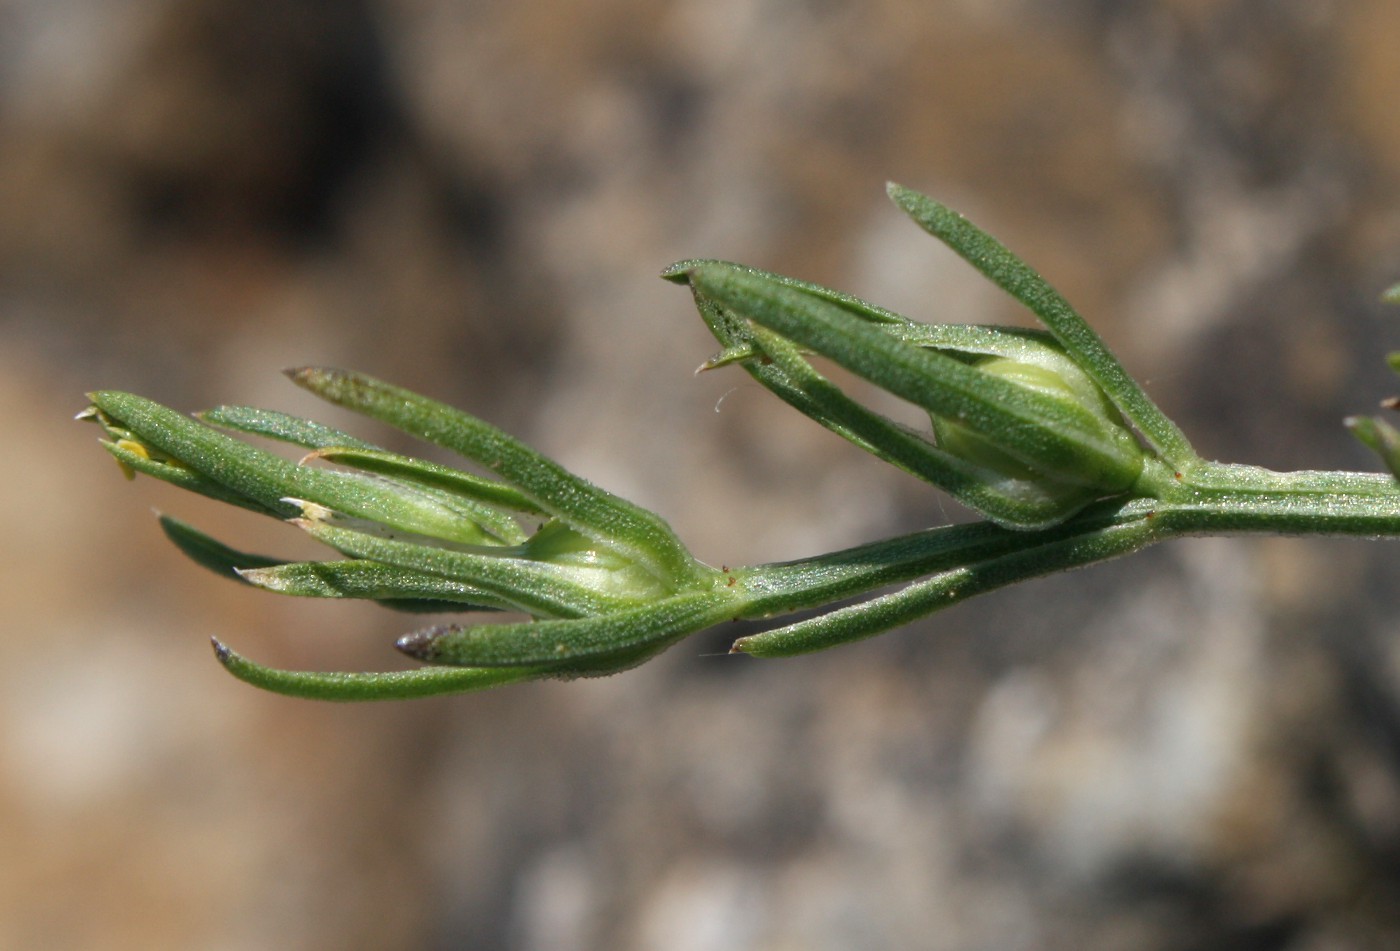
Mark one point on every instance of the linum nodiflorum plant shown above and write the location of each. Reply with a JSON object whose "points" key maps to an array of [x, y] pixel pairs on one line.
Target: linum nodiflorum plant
{"points": [[1041, 432]]}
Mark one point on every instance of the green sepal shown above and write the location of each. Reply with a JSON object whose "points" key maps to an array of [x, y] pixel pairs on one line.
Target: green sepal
{"points": [[392, 587]]}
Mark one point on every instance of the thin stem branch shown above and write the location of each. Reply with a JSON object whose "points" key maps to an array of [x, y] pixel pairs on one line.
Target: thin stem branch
{"points": [[964, 561]]}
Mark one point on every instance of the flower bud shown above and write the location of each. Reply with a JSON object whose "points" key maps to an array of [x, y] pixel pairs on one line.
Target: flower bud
{"points": [[1105, 458], [590, 565]]}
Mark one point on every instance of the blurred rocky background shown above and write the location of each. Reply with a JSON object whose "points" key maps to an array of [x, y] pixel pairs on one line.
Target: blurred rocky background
{"points": [[1197, 748]]}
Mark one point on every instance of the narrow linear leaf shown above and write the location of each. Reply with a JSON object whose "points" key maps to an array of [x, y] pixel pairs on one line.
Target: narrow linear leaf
{"points": [[135, 458], [390, 685], [398, 587], [482, 495], [211, 553], [980, 339], [271, 424], [783, 587], [1018, 279], [572, 641], [335, 446], [1011, 342], [610, 520], [464, 491], [431, 474], [679, 273], [267, 480], [395, 588]]}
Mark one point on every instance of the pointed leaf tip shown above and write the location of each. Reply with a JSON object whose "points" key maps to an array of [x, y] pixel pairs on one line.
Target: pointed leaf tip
{"points": [[420, 645], [679, 273], [309, 377]]}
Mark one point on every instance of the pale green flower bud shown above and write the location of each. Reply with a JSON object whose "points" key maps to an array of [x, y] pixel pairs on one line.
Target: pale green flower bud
{"points": [[1104, 458]]}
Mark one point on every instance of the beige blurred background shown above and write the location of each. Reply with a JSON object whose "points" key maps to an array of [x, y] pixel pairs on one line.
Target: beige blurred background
{"points": [[1198, 748]]}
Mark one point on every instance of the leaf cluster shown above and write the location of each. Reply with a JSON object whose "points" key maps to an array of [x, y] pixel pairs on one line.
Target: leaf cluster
{"points": [[1042, 432]]}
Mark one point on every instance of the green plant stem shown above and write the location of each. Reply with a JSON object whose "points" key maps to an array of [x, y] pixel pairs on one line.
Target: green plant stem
{"points": [[966, 560]]}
